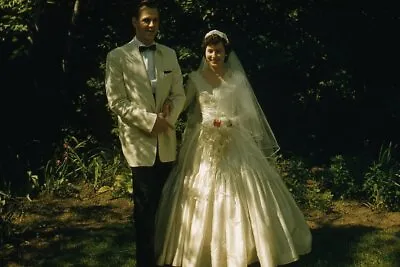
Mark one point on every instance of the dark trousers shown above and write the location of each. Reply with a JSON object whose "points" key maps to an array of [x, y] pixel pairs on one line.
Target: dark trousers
{"points": [[148, 183]]}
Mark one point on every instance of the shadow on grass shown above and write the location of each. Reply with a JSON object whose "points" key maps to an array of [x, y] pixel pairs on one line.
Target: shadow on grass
{"points": [[112, 245], [351, 246], [92, 211], [85, 236], [109, 246]]}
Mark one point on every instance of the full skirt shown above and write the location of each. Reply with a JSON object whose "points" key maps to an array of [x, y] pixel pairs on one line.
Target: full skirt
{"points": [[225, 204]]}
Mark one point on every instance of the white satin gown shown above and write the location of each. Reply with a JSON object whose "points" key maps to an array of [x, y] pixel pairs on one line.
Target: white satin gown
{"points": [[224, 204]]}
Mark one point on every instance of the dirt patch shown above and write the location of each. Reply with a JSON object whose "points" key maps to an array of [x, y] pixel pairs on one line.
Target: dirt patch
{"points": [[351, 213], [95, 210], [90, 210]]}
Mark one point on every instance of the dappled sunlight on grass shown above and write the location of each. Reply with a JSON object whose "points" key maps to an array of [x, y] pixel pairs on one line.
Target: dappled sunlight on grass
{"points": [[73, 232], [348, 246], [381, 248], [99, 232], [111, 245], [353, 236]]}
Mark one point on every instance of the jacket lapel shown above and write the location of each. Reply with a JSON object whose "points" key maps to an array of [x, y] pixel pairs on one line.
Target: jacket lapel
{"points": [[135, 57]]}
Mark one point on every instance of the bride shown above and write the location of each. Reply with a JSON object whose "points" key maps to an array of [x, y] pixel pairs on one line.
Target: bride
{"points": [[224, 203]]}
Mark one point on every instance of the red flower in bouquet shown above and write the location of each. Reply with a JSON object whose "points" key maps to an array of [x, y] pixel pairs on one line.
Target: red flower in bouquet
{"points": [[217, 123]]}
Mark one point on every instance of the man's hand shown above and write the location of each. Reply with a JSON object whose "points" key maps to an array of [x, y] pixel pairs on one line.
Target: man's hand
{"points": [[161, 125]]}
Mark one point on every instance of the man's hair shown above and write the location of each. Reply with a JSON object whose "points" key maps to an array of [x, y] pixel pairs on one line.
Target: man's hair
{"points": [[143, 3], [214, 39]]}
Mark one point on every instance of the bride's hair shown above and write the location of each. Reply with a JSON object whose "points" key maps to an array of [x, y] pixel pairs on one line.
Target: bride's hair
{"points": [[214, 39]]}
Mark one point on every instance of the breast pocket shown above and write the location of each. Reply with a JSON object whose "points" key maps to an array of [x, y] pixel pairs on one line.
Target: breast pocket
{"points": [[166, 77]]}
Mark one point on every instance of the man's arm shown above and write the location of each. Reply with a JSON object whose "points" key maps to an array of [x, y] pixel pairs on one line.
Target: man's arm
{"points": [[117, 97]]}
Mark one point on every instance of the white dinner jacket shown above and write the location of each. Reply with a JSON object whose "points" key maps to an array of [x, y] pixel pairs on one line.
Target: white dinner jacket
{"points": [[130, 97]]}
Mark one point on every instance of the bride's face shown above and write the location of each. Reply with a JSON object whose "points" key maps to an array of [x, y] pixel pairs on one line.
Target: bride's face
{"points": [[215, 55]]}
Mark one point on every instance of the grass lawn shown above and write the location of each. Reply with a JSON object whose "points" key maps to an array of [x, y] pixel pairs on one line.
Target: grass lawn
{"points": [[96, 230]]}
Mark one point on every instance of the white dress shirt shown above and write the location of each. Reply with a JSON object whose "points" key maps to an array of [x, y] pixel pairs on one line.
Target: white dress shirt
{"points": [[148, 59]]}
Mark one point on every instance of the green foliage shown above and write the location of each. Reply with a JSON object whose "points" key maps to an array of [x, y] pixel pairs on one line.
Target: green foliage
{"points": [[110, 172], [316, 188], [382, 181], [10, 209], [306, 190], [75, 162], [16, 25], [317, 197], [295, 175], [339, 179], [14, 21], [5, 217], [67, 167]]}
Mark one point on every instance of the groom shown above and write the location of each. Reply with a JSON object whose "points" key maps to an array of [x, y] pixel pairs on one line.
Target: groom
{"points": [[141, 76]]}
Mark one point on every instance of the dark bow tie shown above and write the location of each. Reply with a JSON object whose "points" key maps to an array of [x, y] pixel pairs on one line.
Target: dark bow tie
{"points": [[145, 48]]}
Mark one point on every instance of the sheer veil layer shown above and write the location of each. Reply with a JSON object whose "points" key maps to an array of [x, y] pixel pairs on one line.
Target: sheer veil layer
{"points": [[253, 118]]}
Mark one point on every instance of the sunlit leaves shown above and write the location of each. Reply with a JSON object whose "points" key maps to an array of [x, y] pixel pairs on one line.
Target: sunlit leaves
{"points": [[15, 26]]}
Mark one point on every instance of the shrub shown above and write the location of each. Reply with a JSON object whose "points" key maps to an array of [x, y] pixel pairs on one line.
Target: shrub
{"points": [[301, 182], [74, 162], [382, 181], [339, 179]]}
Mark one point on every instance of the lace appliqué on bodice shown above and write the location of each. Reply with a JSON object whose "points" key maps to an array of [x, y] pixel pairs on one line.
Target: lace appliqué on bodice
{"points": [[216, 104]]}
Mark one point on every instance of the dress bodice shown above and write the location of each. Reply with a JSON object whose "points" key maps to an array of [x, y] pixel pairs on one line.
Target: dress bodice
{"points": [[234, 104], [218, 102]]}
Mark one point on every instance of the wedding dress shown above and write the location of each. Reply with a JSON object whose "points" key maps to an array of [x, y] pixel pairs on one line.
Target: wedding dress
{"points": [[224, 203]]}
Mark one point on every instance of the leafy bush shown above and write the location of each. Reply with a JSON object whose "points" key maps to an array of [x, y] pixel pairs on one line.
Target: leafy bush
{"points": [[4, 218], [382, 181], [339, 179], [10, 208], [67, 167], [75, 162], [306, 190], [16, 29]]}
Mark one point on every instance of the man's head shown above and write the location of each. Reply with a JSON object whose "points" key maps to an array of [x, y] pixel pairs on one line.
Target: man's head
{"points": [[146, 21]]}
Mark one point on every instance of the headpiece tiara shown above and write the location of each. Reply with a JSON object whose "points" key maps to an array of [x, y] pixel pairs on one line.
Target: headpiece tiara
{"points": [[219, 33]]}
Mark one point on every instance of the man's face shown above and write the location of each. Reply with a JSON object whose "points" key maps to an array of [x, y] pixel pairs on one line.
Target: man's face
{"points": [[146, 25]]}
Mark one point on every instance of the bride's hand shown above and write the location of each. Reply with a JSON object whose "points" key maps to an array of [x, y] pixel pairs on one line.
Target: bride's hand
{"points": [[166, 109]]}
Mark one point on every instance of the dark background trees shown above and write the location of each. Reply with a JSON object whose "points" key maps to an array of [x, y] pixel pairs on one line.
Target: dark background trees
{"points": [[325, 71]]}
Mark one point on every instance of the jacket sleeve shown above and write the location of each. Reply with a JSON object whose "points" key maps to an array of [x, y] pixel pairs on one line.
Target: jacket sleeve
{"points": [[118, 100]]}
